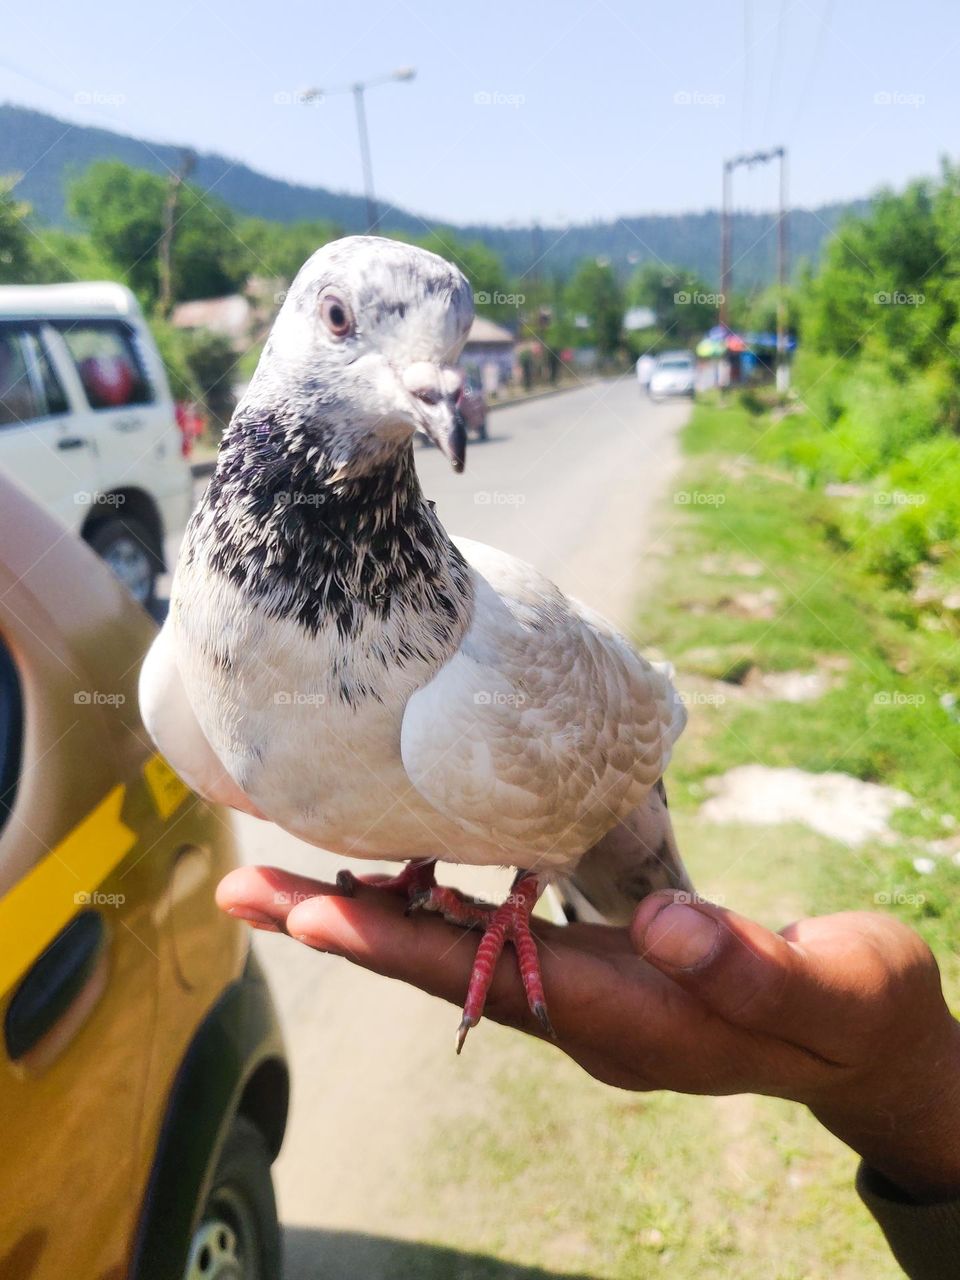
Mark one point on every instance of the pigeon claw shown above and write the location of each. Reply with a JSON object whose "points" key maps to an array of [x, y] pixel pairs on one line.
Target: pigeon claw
{"points": [[465, 1024]]}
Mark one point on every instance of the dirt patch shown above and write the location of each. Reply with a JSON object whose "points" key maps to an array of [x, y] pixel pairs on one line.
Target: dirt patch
{"points": [[836, 805]]}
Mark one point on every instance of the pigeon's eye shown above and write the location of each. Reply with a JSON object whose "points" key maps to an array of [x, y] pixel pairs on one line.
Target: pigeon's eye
{"points": [[335, 314]]}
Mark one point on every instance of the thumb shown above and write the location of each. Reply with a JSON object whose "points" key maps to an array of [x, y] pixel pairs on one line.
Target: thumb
{"points": [[751, 977]]}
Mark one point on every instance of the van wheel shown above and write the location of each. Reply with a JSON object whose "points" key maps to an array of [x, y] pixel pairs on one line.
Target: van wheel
{"points": [[126, 546], [238, 1237]]}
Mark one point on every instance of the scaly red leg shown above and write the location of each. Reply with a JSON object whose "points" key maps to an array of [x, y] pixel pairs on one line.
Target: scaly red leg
{"points": [[509, 922]]}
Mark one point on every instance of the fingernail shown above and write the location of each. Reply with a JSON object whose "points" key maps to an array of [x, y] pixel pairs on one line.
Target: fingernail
{"points": [[681, 937]]}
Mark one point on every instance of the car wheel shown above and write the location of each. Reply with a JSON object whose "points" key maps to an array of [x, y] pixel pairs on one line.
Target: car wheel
{"points": [[238, 1237], [126, 547]]}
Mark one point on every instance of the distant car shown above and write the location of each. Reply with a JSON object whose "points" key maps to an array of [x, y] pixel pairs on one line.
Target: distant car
{"points": [[143, 1081], [675, 374], [472, 406], [88, 425]]}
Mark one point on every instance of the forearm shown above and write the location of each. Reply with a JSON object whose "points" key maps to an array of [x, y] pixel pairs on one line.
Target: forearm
{"points": [[910, 1133]]}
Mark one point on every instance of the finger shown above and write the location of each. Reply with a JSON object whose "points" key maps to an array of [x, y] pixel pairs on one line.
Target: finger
{"points": [[265, 896], [752, 977]]}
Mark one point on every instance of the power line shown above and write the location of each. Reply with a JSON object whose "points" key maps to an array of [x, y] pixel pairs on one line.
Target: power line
{"points": [[775, 65], [826, 13]]}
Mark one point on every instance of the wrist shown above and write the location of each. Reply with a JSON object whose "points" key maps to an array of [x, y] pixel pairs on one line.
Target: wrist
{"points": [[904, 1118]]}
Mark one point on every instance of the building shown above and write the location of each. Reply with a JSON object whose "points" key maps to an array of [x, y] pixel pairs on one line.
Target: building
{"points": [[489, 354]]}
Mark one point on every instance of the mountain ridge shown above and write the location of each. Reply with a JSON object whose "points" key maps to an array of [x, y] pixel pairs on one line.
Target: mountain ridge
{"points": [[48, 152]]}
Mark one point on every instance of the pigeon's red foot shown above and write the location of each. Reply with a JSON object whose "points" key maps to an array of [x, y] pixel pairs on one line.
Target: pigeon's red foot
{"points": [[415, 878], [508, 922]]}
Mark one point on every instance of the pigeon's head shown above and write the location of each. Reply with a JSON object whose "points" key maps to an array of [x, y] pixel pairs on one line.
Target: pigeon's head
{"points": [[364, 351]]}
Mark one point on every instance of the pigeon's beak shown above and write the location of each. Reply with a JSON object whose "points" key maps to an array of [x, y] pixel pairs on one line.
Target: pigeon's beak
{"points": [[438, 389]]}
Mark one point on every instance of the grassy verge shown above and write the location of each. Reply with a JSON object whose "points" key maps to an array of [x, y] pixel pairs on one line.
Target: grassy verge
{"points": [[758, 583], [557, 1174]]}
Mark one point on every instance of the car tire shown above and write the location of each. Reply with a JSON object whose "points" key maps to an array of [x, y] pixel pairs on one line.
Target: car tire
{"points": [[238, 1233], [127, 547]]}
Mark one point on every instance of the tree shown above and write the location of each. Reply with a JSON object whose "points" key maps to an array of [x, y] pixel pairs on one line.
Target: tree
{"points": [[15, 248], [684, 305], [280, 250], [122, 211], [594, 292]]}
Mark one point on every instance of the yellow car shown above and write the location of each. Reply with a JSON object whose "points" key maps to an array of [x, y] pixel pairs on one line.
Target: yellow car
{"points": [[143, 1084]]}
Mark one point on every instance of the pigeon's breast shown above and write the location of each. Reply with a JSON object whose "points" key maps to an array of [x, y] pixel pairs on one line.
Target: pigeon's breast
{"points": [[307, 722]]}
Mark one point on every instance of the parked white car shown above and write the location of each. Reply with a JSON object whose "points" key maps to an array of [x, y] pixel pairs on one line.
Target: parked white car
{"points": [[88, 425], [674, 374]]}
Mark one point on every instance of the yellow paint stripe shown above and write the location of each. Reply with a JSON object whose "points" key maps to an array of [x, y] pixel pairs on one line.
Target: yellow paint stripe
{"points": [[39, 905]]}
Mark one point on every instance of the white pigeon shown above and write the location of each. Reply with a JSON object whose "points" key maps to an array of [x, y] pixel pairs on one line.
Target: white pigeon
{"points": [[334, 661]]}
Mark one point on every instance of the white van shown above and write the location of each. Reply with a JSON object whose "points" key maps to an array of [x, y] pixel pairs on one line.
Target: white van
{"points": [[88, 425]]}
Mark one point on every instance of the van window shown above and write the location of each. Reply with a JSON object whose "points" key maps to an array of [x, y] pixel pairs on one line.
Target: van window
{"points": [[29, 388], [108, 363]]}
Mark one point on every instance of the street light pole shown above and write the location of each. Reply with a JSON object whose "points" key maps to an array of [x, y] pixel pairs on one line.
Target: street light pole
{"points": [[358, 90], [365, 157]]}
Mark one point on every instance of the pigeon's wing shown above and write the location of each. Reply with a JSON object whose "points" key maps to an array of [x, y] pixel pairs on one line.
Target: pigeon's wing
{"points": [[169, 719], [636, 857], [546, 728]]}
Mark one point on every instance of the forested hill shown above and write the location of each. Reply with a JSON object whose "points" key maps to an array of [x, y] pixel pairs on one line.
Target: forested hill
{"points": [[49, 152]]}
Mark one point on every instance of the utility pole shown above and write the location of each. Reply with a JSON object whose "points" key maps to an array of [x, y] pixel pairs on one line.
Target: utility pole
{"points": [[358, 89], [188, 160], [783, 368], [726, 242]]}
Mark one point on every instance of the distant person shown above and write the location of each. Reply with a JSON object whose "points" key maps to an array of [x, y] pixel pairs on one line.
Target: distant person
{"points": [[645, 368]]}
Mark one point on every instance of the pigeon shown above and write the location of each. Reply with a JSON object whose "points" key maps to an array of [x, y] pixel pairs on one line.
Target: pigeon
{"points": [[335, 662]]}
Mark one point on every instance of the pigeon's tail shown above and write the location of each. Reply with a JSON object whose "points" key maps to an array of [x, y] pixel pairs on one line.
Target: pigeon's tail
{"points": [[634, 858]]}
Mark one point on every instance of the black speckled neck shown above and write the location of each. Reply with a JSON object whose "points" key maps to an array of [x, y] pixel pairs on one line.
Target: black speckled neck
{"points": [[285, 530]]}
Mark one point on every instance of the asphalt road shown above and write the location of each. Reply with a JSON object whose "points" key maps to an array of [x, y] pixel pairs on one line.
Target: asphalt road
{"points": [[570, 483]]}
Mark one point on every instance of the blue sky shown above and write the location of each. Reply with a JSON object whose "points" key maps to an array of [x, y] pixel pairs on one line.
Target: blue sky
{"points": [[567, 110]]}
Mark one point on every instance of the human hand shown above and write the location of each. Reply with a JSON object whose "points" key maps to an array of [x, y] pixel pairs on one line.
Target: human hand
{"points": [[843, 1013]]}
